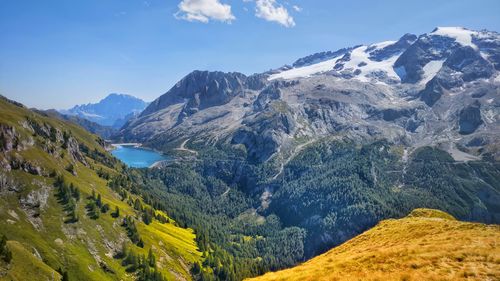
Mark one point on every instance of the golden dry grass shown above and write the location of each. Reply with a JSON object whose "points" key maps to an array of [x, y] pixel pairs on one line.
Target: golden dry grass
{"points": [[426, 245]]}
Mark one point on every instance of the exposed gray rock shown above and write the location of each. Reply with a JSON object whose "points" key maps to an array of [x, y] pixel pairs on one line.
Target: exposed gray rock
{"points": [[427, 48], [432, 92], [73, 149], [400, 46], [470, 118], [9, 139], [321, 57], [469, 63]]}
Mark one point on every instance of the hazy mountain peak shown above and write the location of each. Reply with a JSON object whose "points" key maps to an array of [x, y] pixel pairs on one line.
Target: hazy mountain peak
{"points": [[113, 110]]}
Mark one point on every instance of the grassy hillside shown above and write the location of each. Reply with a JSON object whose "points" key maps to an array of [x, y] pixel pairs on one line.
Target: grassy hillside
{"points": [[59, 213], [426, 245]]}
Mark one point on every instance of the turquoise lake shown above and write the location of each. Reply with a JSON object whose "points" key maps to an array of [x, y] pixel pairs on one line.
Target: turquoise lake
{"points": [[137, 157]]}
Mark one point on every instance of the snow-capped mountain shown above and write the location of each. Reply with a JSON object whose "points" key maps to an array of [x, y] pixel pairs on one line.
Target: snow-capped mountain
{"points": [[113, 111], [410, 59], [439, 88]]}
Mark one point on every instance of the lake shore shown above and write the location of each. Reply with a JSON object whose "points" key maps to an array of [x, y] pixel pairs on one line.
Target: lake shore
{"points": [[136, 156]]}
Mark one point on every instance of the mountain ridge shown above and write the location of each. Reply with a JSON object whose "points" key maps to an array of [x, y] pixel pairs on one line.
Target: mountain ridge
{"points": [[425, 245], [113, 111], [395, 89]]}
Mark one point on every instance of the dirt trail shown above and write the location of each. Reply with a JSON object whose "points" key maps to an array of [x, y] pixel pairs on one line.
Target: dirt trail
{"points": [[294, 153], [183, 147]]}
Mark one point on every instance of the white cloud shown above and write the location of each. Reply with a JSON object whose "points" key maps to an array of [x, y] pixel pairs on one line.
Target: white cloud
{"points": [[270, 10], [204, 10], [297, 8]]}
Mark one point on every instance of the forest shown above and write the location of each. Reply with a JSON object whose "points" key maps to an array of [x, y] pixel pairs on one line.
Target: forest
{"points": [[328, 193]]}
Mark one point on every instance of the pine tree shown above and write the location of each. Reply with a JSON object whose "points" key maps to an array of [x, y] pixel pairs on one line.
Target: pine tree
{"points": [[137, 204], [116, 213], [5, 253], [76, 194], [151, 258], [124, 250], [98, 202], [65, 276]]}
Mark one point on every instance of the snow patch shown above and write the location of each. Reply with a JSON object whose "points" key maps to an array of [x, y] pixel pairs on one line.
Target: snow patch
{"points": [[306, 71], [461, 35], [430, 70], [382, 45], [497, 79], [359, 60], [359, 55], [89, 115]]}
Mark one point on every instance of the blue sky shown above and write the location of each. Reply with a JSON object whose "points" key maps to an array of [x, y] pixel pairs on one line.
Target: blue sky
{"points": [[57, 53]]}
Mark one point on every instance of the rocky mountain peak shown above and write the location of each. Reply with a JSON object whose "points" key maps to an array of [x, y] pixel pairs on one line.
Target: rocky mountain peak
{"points": [[201, 89], [440, 87]]}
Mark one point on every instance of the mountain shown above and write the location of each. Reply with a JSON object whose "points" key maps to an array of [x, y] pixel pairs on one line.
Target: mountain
{"points": [[339, 140], [68, 211], [425, 245], [112, 111], [104, 132], [439, 88]]}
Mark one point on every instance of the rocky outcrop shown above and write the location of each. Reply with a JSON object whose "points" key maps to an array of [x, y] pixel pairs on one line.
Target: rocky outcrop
{"points": [[432, 92], [469, 63], [321, 57], [470, 118], [34, 203], [427, 48], [9, 139], [398, 47], [73, 149]]}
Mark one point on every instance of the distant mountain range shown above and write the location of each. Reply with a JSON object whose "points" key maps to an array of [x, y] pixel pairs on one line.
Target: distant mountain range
{"points": [[112, 111]]}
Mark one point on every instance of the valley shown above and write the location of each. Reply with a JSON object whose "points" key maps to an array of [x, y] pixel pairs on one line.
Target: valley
{"points": [[369, 162]]}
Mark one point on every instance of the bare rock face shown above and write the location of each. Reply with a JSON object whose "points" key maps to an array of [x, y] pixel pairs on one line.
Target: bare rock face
{"points": [[400, 46], [470, 118], [74, 151], [470, 64], [9, 139], [427, 48], [432, 92], [201, 89]]}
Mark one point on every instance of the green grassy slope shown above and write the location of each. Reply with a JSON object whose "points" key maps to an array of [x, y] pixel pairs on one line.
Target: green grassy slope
{"points": [[426, 245], [34, 151]]}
